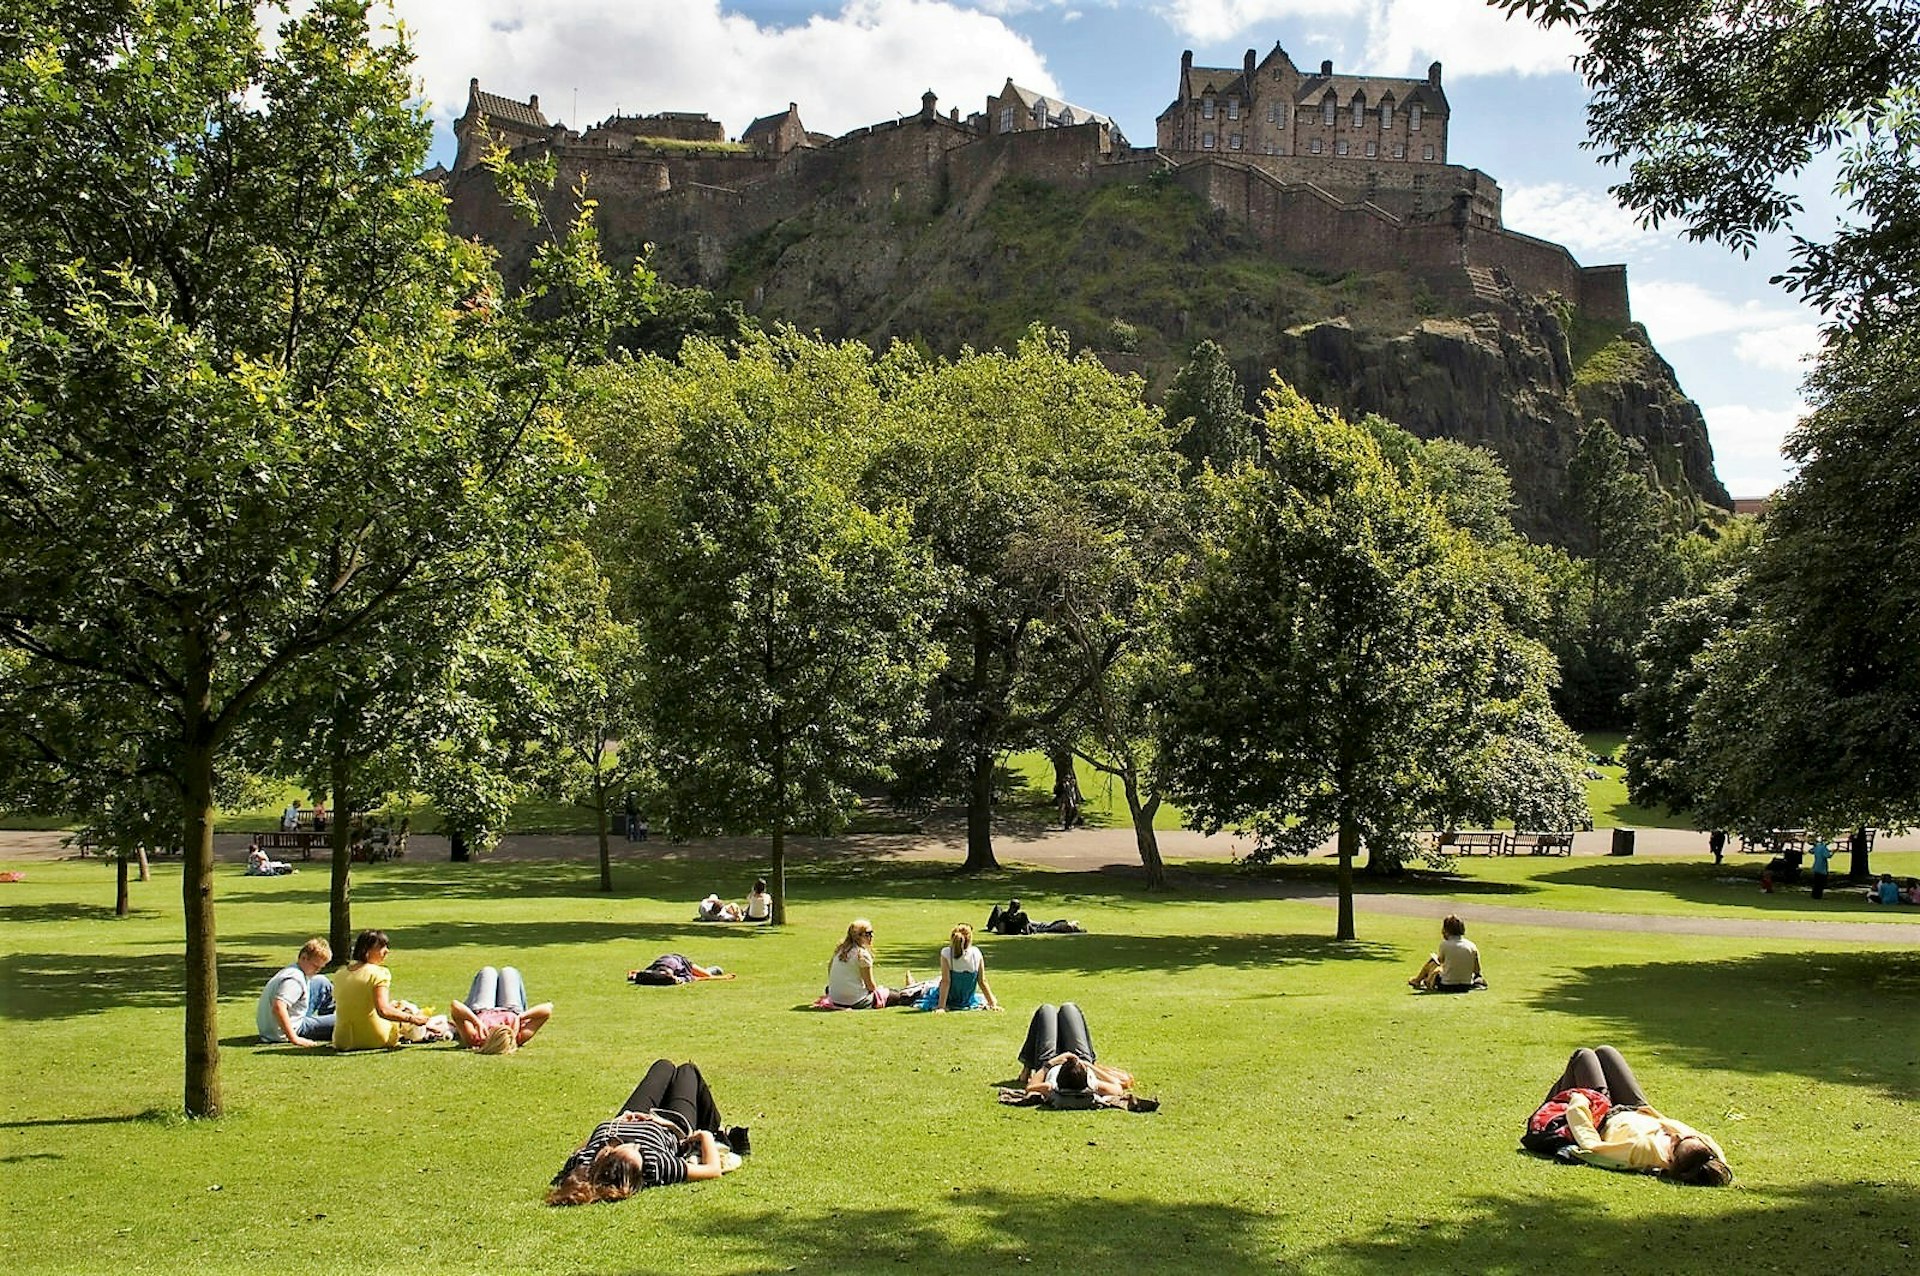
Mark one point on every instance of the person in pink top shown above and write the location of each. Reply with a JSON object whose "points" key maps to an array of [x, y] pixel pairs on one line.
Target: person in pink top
{"points": [[495, 1019]]}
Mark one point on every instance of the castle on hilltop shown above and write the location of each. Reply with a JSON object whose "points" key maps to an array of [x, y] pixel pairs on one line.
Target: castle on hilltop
{"points": [[1331, 172]]}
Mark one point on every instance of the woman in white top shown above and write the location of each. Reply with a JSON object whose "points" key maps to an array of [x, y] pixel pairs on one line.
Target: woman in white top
{"points": [[759, 903], [850, 984], [1456, 966], [963, 977]]}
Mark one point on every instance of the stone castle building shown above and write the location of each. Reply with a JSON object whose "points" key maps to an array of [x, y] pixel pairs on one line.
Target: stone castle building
{"points": [[1328, 171]]}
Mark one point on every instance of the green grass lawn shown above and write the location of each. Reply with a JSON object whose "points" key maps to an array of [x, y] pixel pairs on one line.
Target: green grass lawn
{"points": [[1607, 800], [1316, 1117]]}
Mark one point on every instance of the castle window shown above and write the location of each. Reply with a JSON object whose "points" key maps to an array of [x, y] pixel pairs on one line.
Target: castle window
{"points": [[1314, 146], [1206, 108], [1386, 116], [1340, 147], [1413, 117], [1277, 114], [1329, 110], [1006, 119], [1399, 150], [1359, 111], [1206, 141], [1233, 108], [1426, 152], [1373, 149], [1233, 142]]}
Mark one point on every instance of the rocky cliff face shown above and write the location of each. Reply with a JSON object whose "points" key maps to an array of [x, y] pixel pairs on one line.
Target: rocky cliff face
{"points": [[1140, 273]]}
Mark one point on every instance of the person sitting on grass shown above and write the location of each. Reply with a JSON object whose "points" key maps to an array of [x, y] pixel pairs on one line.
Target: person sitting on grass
{"points": [[674, 968], [1013, 920], [365, 1015], [296, 1007], [1456, 967], [1628, 1134], [1058, 1069], [850, 983], [759, 903], [668, 1131], [1885, 891], [259, 865], [963, 977], [494, 1019]]}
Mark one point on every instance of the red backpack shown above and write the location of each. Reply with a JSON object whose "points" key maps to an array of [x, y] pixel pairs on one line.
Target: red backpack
{"points": [[1547, 1132]]}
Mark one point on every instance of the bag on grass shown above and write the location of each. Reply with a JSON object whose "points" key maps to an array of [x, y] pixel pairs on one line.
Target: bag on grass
{"points": [[1547, 1131]]}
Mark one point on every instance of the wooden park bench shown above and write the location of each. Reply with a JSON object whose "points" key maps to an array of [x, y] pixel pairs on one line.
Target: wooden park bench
{"points": [[1542, 843], [1469, 841], [305, 841]]}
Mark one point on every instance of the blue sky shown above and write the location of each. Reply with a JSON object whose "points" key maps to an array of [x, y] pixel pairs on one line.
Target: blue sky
{"points": [[1737, 342]]}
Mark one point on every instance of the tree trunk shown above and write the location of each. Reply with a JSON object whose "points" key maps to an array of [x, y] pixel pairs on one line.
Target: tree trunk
{"points": [[779, 867], [1349, 842], [980, 814], [606, 850], [146, 869], [1858, 868], [122, 905], [196, 896], [1143, 835], [1066, 785], [340, 881]]}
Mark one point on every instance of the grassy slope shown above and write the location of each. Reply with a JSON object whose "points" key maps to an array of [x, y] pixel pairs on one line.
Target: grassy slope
{"points": [[1317, 1115]]}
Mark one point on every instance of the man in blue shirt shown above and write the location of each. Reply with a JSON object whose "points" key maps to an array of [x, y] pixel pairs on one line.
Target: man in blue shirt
{"points": [[1822, 854]]}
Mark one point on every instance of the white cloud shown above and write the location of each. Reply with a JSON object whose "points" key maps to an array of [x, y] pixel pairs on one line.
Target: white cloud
{"points": [[1588, 222], [1784, 349], [1675, 310], [1398, 37], [868, 62], [1746, 445]]}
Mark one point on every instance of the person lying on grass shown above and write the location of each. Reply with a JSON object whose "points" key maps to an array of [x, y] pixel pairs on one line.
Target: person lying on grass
{"points": [[674, 968], [494, 1018], [963, 977], [850, 983], [715, 909], [1058, 1070], [668, 1131], [1456, 967], [1011, 919], [1597, 1113]]}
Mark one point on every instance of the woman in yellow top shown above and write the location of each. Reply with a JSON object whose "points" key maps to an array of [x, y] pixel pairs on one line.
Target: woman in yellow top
{"points": [[1632, 1136], [365, 1015]]}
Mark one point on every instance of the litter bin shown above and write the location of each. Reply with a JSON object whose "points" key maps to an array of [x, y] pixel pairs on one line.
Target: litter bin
{"points": [[619, 823], [1623, 841]]}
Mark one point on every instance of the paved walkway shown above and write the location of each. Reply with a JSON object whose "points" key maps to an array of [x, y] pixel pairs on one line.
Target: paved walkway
{"points": [[1088, 850]]}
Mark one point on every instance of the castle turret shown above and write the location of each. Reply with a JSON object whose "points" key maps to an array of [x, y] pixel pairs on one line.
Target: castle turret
{"points": [[929, 105]]}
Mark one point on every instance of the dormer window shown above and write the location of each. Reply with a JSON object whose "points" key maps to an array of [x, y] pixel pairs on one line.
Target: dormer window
{"points": [[1386, 116], [1329, 111], [1206, 108], [1413, 117], [1359, 111], [1006, 119], [1233, 108]]}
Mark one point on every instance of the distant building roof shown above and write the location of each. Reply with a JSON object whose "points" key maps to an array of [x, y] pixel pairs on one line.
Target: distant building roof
{"points": [[505, 109], [1058, 110], [768, 126], [1753, 505]]}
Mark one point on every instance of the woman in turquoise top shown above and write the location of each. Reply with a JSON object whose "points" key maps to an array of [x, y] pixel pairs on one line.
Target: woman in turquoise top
{"points": [[963, 977]]}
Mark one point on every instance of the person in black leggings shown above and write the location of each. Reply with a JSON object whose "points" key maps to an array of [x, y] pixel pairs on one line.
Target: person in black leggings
{"points": [[670, 1117], [1633, 1136], [1058, 1056], [1604, 1070]]}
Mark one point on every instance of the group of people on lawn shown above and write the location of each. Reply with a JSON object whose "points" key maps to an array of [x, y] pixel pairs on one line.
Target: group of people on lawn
{"points": [[669, 1129]]}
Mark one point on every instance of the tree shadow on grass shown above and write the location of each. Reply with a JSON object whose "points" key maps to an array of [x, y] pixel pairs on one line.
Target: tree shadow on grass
{"points": [[39, 986], [1719, 885], [1133, 954], [984, 1229], [650, 938], [1831, 1011], [1304, 879], [28, 914], [1831, 1227]]}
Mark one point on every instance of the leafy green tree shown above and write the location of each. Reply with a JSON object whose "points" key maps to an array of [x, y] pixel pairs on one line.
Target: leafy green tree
{"points": [[1342, 667], [1012, 464], [784, 618], [1661, 768], [1207, 409], [255, 401], [1717, 107]]}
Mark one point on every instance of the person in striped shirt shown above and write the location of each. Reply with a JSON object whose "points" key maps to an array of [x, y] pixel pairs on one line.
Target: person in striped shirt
{"points": [[668, 1131]]}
